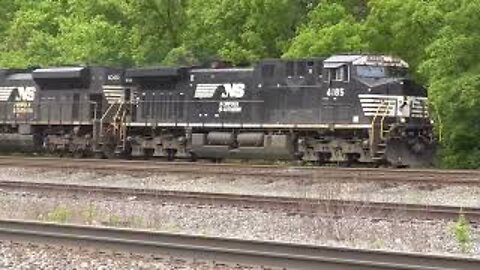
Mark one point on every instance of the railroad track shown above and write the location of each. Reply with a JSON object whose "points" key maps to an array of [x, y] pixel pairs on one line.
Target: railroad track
{"points": [[388, 176], [292, 205], [268, 254]]}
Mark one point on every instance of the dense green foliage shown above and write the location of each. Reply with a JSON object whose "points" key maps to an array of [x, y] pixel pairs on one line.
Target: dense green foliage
{"points": [[439, 38]]}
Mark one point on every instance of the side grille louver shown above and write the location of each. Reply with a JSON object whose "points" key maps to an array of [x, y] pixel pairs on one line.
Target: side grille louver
{"points": [[375, 104], [114, 94], [388, 105]]}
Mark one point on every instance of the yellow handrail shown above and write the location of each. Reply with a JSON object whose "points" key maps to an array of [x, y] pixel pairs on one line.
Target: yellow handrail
{"points": [[382, 122], [385, 104], [118, 111]]}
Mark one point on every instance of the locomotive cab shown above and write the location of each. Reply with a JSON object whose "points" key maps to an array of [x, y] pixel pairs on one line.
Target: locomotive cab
{"points": [[392, 104], [381, 83]]}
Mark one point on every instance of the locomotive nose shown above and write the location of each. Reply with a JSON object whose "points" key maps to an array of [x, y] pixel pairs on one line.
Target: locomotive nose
{"points": [[411, 88], [398, 87]]}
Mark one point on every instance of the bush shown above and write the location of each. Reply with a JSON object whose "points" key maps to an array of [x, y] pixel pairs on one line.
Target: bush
{"points": [[60, 214], [461, 231]]}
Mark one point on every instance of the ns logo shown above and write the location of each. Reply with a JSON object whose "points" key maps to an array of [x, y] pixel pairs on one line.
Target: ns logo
{"points": [[234, 90], [20, 93], [221, 92], [25, 94], [224, 90]]}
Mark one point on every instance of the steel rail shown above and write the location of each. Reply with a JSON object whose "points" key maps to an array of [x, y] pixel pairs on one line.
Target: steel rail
{"points": [[295, 205], [284, 172], [259, 253], [237, 165]]}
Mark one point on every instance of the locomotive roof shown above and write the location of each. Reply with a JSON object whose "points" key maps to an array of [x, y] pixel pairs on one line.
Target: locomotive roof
{"points": [[20, 77], [59, 73], [60, 69], [342, 58], [153, 72], [200, 70], [365, 59]]}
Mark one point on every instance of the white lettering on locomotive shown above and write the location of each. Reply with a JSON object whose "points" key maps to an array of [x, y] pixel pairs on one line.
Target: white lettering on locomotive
{"points": [[336, 92], [113, 77], [26, 93], [234, 90], [227, 90], [22, 109], [230, 106]]}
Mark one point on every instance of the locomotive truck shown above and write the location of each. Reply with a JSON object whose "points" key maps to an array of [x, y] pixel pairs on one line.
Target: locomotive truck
{"points": [[344, 109]]}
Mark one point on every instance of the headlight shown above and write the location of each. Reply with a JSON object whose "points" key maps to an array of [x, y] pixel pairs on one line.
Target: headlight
{"points": [[403, 120]]}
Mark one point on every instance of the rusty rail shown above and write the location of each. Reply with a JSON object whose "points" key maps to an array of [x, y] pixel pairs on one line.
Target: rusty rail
{"points": [[267, 254], [388, 176], [301, 206]]}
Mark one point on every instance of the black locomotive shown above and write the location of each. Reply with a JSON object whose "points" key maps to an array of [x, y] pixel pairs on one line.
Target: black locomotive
{"points": [[343, 109]]}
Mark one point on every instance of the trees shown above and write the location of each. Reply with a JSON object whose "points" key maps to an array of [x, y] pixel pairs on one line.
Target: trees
{"points": [[241, 31], [7, 9], [452, 66], [157, 27], [439, 38], [329, 29], [65, 32], [402, 27]]}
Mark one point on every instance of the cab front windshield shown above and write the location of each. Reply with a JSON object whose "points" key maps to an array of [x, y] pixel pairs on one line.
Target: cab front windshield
{"points": [[381, 72]]}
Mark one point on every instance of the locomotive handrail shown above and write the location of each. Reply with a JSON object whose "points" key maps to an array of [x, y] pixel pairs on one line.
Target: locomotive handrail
{"points": [[374, 120], [384, 104], [382, 122], [104, 116], [117, 114], [107, 111], [119, 122]]}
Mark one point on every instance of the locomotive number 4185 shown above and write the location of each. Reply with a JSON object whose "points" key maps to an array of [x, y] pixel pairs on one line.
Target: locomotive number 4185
{"points": [[336, 92]]}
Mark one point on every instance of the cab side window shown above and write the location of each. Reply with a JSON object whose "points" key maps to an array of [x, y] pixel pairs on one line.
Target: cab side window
{"points": [[339, 74]]}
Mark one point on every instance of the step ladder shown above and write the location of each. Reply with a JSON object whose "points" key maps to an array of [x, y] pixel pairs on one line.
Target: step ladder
{"points": [[379, 131], [120, 126], [113, 127]]}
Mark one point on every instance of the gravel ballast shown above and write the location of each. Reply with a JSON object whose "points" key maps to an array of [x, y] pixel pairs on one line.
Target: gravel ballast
{"points": [[21, 256], [256, 224], [455, 195], [232, 222]]}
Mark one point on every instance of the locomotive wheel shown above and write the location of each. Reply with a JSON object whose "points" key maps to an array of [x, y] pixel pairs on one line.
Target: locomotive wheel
{"points": [[351, 160], [193, 157], [345, 164], [78, 154], [109, 151], [127, 155], [171, 154], [148, 153], [322, 158]]}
